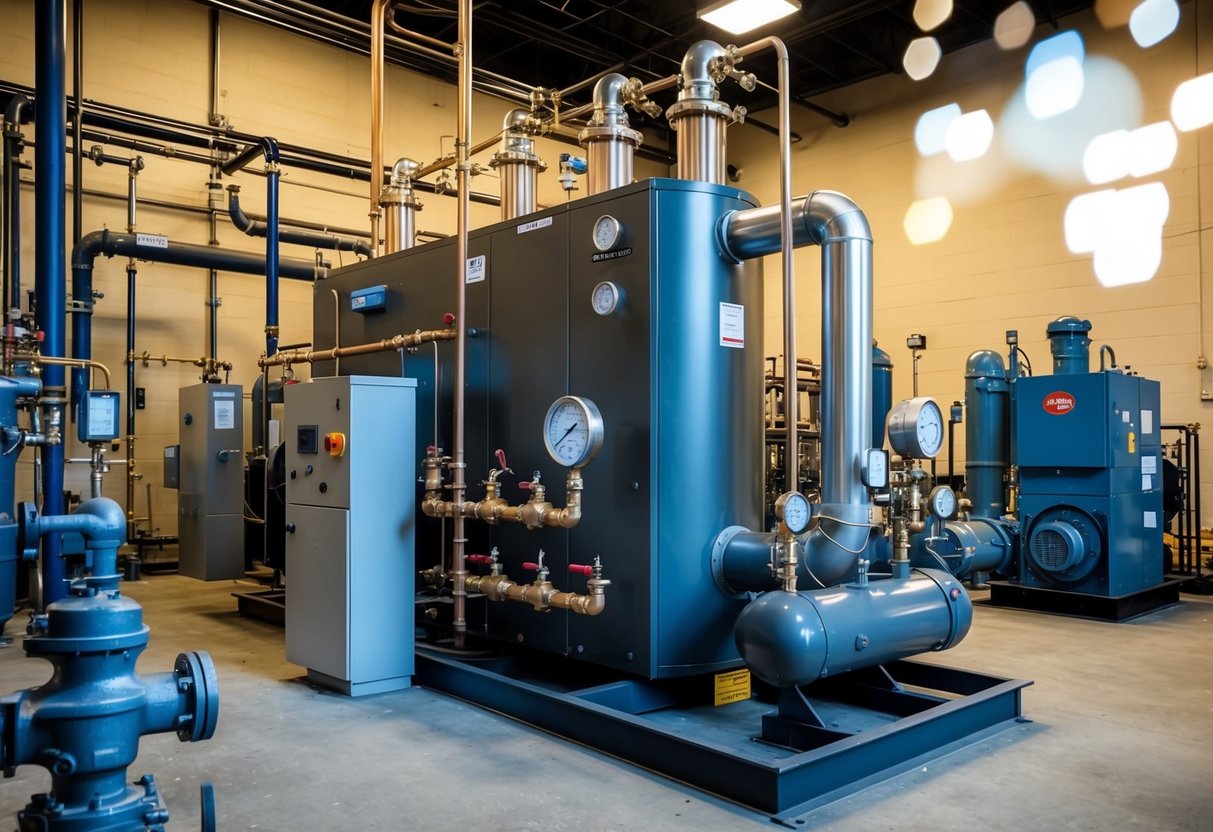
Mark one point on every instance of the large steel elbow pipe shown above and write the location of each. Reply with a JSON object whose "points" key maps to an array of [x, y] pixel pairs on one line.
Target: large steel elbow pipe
{"points": [[795, 638]]}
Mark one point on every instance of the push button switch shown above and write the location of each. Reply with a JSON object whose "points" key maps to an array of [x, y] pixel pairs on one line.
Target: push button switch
{"points": [[334, 444]]}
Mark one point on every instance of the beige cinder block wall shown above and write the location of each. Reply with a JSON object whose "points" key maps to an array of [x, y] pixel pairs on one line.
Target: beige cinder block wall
{"points": [[1004, 262], [154, 56]]}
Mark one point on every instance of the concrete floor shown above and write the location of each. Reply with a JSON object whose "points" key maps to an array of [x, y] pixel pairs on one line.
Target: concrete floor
{"points": [[1121, 739]]}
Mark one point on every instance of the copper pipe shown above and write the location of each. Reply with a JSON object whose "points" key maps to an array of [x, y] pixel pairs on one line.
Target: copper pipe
{"points": [[397, 342], [414, 36], [378, 10], [447, 161], [536, 513], [651, 87], [462, 180], [541, 595], [72, 362]]}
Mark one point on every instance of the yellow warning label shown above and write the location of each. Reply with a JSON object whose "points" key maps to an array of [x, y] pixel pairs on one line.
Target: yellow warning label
{"points": [[1132, 442], [732, 687]]}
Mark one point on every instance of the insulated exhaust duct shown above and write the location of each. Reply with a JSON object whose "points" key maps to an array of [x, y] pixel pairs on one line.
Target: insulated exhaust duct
{"points": [[609, 141], [518, 166]]}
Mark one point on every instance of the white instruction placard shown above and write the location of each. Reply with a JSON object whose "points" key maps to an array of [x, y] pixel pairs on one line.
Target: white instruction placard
{"points": [[225, 414], [151, 240], [476, 269], [1149, 520], [1149, 465], [1147, 482], [534, 225], [732, 325], [1124, 416], [1147, 421]]}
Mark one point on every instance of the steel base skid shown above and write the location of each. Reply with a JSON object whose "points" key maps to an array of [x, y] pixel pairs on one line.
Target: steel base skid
{"points": [[1082, 604], [869, 723]]}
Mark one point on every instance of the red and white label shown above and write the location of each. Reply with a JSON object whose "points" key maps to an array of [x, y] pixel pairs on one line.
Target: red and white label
{"points": [[1059, 403]]}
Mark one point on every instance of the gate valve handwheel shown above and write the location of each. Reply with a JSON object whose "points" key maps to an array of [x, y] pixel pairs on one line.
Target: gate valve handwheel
{"points": [[581, 569]]}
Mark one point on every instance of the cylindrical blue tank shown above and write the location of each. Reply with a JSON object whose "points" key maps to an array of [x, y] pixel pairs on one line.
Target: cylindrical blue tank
{"points": [[987, 409], [963, 547], [796, 638], [11, 389], [882, 393], [1070, 345]]}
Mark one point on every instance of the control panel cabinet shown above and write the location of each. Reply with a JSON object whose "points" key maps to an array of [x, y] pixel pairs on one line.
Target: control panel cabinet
{"points": [[350, 474], [210, 496]]}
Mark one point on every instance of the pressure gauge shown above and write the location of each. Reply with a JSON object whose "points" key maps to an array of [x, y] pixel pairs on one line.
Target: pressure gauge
{"points": [[572, 431], [607, 298], [793, 509], [942, 502], [876, 468], [916, 428], [607, 231]]}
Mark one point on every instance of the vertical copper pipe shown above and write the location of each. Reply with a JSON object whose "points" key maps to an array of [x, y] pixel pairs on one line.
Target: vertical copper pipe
{"points": [[462, 179], [378, 12]]}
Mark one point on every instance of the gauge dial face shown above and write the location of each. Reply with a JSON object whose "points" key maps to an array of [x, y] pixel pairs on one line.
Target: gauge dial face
{"points": [[606, 298], [916, 428], [572, 431], [606, 232], [793, 509], [942, 502], [876, 471]]}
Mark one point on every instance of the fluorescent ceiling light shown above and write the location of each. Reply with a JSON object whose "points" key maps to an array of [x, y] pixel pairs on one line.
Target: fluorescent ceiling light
{"points": [[741, 16]]}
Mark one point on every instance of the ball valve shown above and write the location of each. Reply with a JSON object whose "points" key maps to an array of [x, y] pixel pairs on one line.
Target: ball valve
{"points": [[84, 724]]}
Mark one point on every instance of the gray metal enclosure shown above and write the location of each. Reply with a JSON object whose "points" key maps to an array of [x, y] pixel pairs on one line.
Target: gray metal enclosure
{"points": [[210, 496], [682, 405]]}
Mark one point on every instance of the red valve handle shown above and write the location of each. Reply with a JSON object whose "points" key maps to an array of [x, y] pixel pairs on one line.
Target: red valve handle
{"points": [[581, 569], [526, 485], [430, 450], [532, 567], [479, 559], [448, 318], [501, 459]]}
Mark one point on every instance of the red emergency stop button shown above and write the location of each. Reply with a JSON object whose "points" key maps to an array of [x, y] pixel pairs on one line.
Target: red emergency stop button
{"points": [[334, 444]]}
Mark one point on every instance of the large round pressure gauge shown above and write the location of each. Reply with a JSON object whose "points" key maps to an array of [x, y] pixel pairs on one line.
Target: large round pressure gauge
{"points": [[793, 509], [916, 428], [607, 231], [572, 431], [606, 298], [942, 502]]}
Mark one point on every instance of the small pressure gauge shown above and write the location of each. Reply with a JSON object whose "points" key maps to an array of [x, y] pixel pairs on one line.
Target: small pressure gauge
{"points": [[607, 298], [942, 502], [793, 509], [572, 431], [607, 231], [876, 468], [916, 428]]}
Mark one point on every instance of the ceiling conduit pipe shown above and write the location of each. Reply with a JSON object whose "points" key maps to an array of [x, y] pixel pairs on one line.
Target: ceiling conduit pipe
{"points": [[268, 148], [315, 239], [15, 114], [50, 285]]}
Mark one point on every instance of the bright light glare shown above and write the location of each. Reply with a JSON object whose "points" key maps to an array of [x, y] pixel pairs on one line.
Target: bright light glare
{"points": [[1192, 104], [1153, 21], [921, 58], [1014, 27], [1055, 75], [1152, 148], [928, 220], [1121, 153], [929, 14], [931, 132], [1123, 229], [741, 16], [969, 136]]}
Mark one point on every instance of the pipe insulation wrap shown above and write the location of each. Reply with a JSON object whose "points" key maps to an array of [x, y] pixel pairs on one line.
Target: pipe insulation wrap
{"points": [[789, 639]]}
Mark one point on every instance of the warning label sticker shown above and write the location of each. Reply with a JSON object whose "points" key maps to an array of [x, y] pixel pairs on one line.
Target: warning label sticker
{"points": [[732, 687], [732, 325]]}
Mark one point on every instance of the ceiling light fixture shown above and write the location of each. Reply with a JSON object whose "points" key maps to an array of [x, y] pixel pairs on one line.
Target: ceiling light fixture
{"points": [[741, 16]]}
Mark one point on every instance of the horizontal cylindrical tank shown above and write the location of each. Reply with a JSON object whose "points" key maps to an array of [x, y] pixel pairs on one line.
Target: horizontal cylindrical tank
{"points": [[796, 638], [882, 393], [987, 410], [1070, 345]]}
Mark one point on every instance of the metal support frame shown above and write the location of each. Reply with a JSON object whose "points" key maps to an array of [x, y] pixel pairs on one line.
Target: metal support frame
{"points": [[1085, 605], [624, 718]]}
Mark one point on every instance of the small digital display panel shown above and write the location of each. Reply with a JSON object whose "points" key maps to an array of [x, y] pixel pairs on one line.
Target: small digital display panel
{"points": [[99, 416], [307, 442]]}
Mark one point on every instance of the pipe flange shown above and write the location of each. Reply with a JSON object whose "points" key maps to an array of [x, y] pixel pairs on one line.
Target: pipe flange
{"points": [[517, 157], [718, 548], [697, 106], [608, 132], [399, 195], [196, 677]]}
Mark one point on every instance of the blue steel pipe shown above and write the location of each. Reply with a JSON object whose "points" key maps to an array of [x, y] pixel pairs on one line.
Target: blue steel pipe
{"points": [[11, 389], [50, 242], [882, 393], [987, 433], [15, 114], [1070, 345]]}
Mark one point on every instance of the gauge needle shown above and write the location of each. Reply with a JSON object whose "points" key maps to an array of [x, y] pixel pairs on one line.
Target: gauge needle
{"points": [[572, 428]]}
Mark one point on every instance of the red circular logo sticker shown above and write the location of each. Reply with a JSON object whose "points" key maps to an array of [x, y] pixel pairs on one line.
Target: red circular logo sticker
{"points": [[1058, 403]]}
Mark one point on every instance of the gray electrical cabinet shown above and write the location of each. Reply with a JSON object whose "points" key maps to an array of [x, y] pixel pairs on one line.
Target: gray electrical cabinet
{"points": [[210, 495], [351, 476]]}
